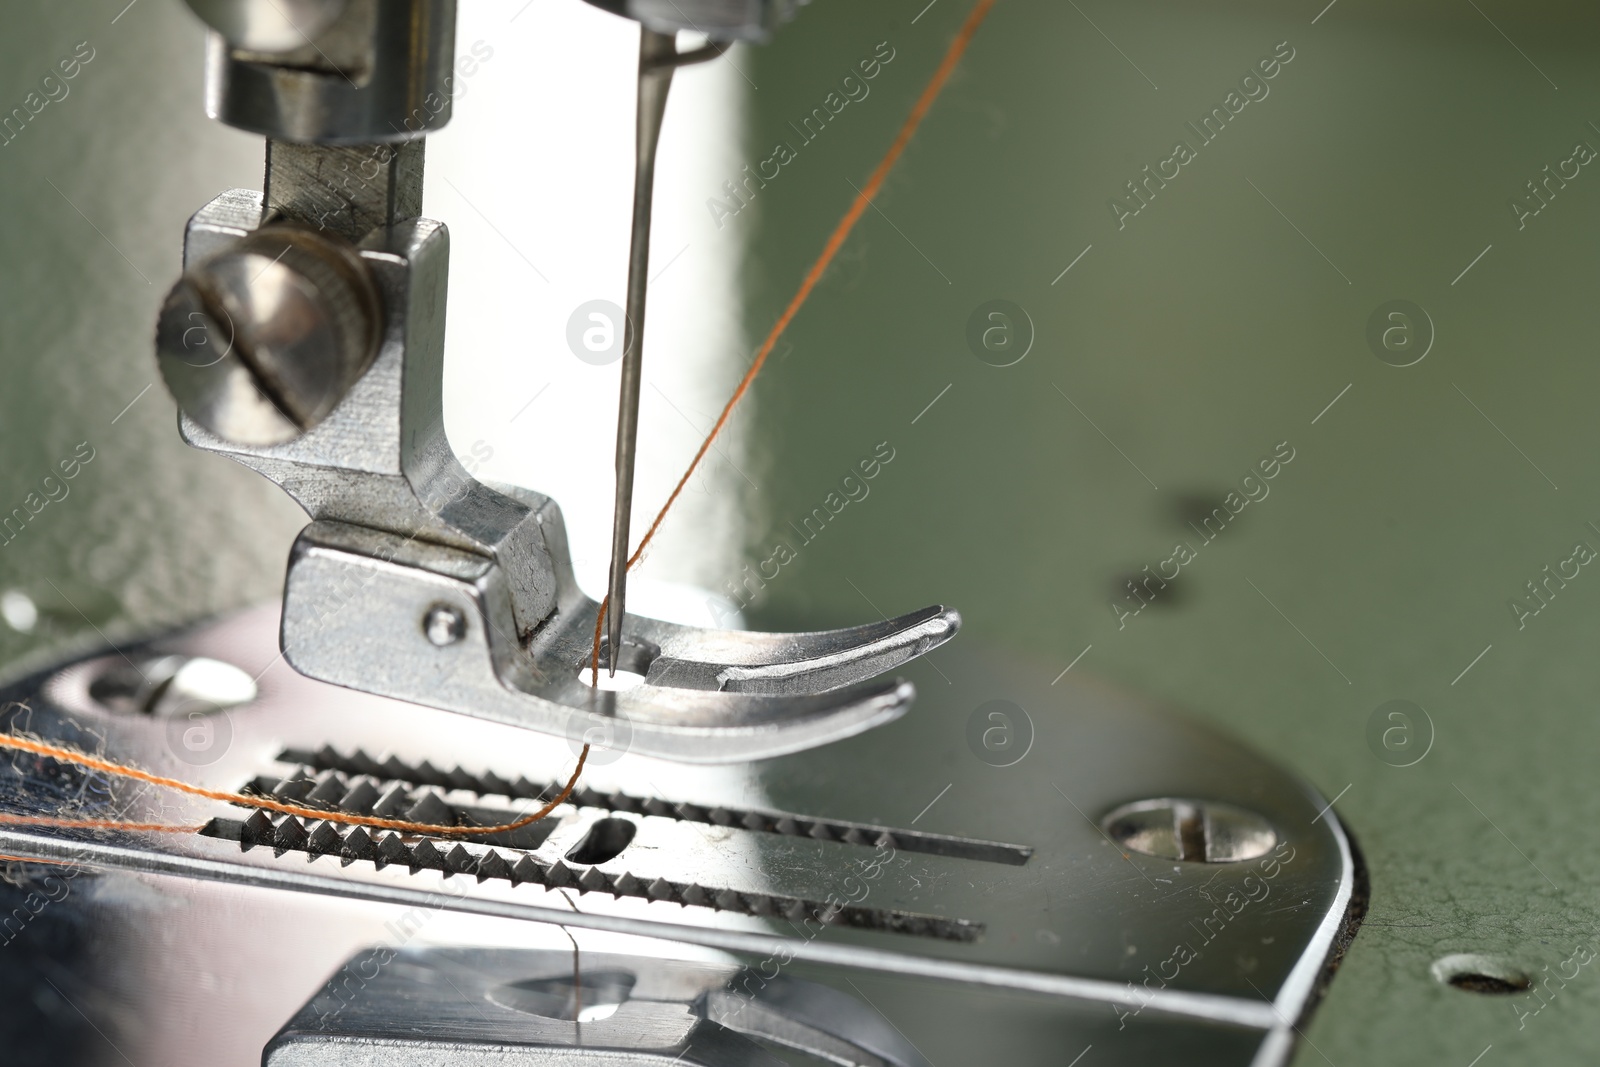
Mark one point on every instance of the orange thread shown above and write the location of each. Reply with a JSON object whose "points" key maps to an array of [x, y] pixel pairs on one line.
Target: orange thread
{"points": [[6, 857], [858, 207], [99, 763]]}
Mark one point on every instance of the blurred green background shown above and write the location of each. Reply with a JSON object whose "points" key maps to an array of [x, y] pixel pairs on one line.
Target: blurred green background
{"points": [[1220, 321], [1197, 338]]}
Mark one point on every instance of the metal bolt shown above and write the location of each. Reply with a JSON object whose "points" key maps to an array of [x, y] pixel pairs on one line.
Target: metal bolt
{"points": [[260, 342], [1197, 831], [444, 625]]}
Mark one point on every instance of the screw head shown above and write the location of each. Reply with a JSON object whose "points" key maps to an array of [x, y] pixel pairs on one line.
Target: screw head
{"points": [[1196, 831], [444, 625], [260, 342]]}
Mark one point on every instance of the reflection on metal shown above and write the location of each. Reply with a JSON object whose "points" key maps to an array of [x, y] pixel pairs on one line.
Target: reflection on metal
{"points": [[352, 72], [269, 25], [173, 685], [719, 19], [472, 1007], [259, 341], [1078, 941], [1191, 830]]}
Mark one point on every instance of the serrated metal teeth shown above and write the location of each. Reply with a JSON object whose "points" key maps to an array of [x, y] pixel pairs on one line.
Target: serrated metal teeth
{"points": [[526, 871], [294, 788], [358, 845], [431, 810], [494, 865], [459, 861], [395, 799], [319, 773], [323, 838], [327, 789], [493, 784], [360, 798], [291, 835], [324, 841], [257, 830], [424, 854], [392, 850]]}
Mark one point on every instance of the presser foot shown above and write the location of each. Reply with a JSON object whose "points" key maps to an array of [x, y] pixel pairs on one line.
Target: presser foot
{"points": [[419, 582], [420, 622]]}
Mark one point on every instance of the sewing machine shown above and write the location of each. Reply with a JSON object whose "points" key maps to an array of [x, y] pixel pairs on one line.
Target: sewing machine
{"points": [[433, 663], [784, 847]]}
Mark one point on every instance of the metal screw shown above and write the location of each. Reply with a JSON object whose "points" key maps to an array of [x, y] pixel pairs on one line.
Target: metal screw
{"points": [[260, 342], [1197, 831], [444, 625]]}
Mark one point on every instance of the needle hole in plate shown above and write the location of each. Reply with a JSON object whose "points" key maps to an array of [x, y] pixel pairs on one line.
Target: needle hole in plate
{"points": [[604, 842], [633, 664]]}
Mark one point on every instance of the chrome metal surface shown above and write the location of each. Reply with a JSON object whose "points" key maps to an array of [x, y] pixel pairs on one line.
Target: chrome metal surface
{"points": [[379, 71], [721, 19], [354, 595], [655, 81], [269, 25], [1191, 830], [753, 861], [261, 340], [348, 189], [402, 529], [470, 1007], [174, 685]]}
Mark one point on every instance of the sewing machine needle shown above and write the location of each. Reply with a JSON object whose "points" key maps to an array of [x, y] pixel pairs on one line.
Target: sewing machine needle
{"points": [[655, 78]]}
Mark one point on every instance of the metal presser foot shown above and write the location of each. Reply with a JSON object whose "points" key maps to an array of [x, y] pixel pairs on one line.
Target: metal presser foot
{"points": [[306, 340], [318, 364]]}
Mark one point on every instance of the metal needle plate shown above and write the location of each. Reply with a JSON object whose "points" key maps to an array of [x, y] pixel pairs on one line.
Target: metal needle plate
{"points": [[1008, 886]]}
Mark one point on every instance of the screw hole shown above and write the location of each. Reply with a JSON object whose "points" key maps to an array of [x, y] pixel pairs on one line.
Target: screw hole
{"points": [[1196, 831], [633, 666], [444, 625], [172, 686], [1481, 974]]}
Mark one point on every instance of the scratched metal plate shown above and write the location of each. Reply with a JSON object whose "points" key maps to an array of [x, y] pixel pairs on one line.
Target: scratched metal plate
{"points": [[1393, 141], [983, 873]]}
